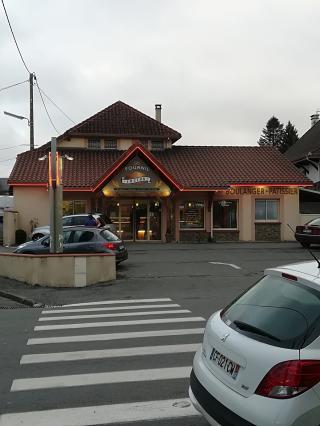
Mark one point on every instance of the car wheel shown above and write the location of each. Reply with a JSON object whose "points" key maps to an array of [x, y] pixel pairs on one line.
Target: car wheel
{"points": [[36, 237], [305, 245]]}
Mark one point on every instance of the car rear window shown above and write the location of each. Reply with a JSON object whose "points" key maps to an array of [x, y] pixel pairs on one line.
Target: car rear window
{"points": [[109, 236], [314, 222], [278, 311]]}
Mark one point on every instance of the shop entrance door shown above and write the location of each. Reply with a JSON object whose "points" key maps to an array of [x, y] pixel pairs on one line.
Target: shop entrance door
{"points": [[137, 220]]}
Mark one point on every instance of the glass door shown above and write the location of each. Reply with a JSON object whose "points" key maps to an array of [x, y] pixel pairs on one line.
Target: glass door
{"points": [[154, 220], [126, 221], [136, 220], [141, 220]]}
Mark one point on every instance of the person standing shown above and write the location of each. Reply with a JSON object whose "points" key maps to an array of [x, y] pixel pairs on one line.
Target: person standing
{"points": [[90, 221]]}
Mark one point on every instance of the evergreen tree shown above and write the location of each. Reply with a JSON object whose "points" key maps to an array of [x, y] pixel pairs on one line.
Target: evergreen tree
{"points": [[290, 136], [272, 134]]}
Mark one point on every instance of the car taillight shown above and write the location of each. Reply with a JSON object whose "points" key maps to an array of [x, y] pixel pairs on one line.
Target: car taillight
{"points": [[289, 379], [299, 228], [110, 246], [315, 231]]}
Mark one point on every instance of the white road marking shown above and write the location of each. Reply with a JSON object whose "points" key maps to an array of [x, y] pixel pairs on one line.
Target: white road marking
{"points": [[228, 264], [113, 308], [103, 414], [117, 323], [113, 336], [108, 353], [122, 301], [100, 378], [121, 314]]}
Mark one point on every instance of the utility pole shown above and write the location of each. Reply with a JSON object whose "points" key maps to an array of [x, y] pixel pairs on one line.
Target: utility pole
{"points": [[31, 122]]}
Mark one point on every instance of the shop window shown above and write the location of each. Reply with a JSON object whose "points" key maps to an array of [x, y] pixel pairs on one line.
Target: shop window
{"points": [[267, 210], [94, 144], [224, 214], [110, 144], [192, 215], [309, 201], [157, 145], [74, 207]]}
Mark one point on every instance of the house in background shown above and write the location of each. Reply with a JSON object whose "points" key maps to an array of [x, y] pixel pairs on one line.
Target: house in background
{"points": [[305, 154], [132, 168]]}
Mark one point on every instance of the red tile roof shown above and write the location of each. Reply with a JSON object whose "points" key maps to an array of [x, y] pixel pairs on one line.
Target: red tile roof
{"points": [[121, 120], [192, 167]]}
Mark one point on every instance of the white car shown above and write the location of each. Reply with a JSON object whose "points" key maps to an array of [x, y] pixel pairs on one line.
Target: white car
{"points": [[70, 220], [260, 359]]}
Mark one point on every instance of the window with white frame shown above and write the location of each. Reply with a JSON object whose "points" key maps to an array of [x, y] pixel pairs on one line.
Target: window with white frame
{"points": [[94, 143], [110, 144], [267, 210], [192, 215], [157, 145], [224, 214]]}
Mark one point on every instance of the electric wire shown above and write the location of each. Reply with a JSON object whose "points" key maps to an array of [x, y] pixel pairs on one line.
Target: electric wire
{"points": [[57, 106], [45, 106], [36, 81], [14, 38], [13, 85]]}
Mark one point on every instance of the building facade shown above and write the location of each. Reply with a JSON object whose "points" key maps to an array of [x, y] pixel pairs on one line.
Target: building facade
{"points": [[129, 167]]}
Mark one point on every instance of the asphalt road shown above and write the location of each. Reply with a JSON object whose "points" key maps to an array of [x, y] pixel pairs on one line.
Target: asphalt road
{"points": [[162, 291]]}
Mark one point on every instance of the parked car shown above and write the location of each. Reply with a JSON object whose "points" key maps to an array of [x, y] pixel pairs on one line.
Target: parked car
{"points": [[80, 239], [259, 363], [309, 233], [70, 220]]}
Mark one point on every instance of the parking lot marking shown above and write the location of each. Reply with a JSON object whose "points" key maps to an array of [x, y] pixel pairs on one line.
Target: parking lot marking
{"points": [[103, 414], [122, 314], [228, 264], [112, 308], [100, 378], [108, 353], [117, 323], [121, 301], [113, 336]]}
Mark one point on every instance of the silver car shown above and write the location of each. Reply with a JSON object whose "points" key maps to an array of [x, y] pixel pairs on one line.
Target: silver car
{"points": [[70, 220]]}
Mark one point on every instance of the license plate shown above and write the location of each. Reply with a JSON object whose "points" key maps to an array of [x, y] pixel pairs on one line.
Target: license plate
{"points": [[307, 231], [230, 367]]}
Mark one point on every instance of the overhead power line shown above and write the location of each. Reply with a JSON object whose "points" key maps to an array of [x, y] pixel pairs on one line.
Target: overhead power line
{"points": [[14, 38], [45, 106], [57, 106], [13, 85]]}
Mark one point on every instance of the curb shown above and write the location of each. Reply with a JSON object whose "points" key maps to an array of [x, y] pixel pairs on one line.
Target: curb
{"points": [[20, 299]]}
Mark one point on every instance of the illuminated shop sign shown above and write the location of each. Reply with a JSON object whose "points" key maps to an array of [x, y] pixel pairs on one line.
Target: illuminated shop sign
{"points": [[136, 176], [266, 190]]}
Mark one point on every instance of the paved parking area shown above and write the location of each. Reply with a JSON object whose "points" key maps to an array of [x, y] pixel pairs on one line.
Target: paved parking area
{"points": [[193, 272]]}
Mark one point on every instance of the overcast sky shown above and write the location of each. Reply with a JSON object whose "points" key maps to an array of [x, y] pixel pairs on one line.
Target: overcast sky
{"points": [[219, 69]]}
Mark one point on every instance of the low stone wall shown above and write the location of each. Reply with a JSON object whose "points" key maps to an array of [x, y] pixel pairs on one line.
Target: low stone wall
{"points": [[59, 270], [225, 235], [268, 231], [194, 236]]}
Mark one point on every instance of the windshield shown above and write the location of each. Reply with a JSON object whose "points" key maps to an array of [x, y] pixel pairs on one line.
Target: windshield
{"points": [[109, 236], [277, 311]]}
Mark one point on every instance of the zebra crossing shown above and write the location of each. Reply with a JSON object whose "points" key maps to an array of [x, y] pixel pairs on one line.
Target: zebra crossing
{"points": [[108, 362]]}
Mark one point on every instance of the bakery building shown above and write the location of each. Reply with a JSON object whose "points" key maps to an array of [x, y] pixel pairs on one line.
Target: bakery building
{"points": [[134, 169]]}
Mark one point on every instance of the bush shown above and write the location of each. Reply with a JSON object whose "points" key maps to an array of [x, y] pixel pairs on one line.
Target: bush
{"points": [[21, 236]]}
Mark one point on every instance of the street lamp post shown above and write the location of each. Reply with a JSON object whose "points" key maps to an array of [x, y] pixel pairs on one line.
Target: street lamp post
{"points": [[55, 195]]}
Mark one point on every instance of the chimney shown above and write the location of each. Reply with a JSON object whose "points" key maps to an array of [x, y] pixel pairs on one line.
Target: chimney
{"points": [[314, 118], [158, 112]]}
